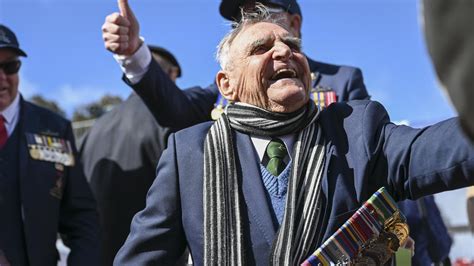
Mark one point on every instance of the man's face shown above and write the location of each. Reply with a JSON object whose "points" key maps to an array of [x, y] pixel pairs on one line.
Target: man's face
{"points": [[267, 69], [168, 67], [8, 82]]}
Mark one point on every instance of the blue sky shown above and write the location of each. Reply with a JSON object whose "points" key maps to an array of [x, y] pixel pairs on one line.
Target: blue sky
{"points": [[67, 61]]}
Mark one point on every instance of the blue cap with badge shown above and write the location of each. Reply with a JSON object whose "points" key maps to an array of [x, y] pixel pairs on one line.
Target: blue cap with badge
{"points": [[230, 9], [8, 40]]}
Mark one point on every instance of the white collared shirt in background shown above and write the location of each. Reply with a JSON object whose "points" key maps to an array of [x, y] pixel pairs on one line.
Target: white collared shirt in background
{"points": [[12, 114]]}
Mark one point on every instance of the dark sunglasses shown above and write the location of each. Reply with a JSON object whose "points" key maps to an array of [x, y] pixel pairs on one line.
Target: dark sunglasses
{"points": [[11, 67]]}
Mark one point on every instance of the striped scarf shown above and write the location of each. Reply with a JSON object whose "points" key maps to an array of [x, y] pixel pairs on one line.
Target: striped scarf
{"points": [[223, 230]]}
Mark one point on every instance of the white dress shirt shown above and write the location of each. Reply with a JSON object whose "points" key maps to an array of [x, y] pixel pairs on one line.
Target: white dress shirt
{"points": [[135, 66], [260, 143], [12, 114]]}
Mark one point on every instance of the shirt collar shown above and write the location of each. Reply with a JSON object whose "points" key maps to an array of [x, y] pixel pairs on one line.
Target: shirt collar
{"points": [[261, 144], [12, 110]]}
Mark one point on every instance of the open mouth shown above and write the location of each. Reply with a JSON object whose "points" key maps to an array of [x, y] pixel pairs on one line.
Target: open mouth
{"points": [[284, 73]]}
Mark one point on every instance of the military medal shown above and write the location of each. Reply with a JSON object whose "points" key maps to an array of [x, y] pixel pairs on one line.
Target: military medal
{"points": [[217, 112], [50, 149], [57, 190], [370, 237], [218, 107], [59, 167], [322, 96], [34, 153]]}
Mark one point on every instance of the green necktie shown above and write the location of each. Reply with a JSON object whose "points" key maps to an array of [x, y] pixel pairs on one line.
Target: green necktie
{"points": [[276, 152]]}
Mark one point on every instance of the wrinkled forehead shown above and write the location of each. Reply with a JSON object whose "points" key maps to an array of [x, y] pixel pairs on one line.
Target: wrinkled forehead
{"points": [[261, 31]]}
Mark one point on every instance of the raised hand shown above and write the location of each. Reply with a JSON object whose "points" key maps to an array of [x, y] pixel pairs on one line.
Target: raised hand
{"points": [[120, 31]]}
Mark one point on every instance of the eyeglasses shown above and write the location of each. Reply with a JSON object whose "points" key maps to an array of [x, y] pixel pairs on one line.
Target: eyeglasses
{"points": [[11, 67]]}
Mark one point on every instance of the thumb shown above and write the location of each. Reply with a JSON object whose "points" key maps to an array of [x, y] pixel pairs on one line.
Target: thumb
{"points": [[125, 9]]}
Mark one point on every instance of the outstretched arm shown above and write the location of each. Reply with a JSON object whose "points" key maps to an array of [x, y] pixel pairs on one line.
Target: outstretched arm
{"points": [[171, 106], [417, 162]]}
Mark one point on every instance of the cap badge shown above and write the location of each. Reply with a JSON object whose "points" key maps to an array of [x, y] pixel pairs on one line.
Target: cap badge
{"points": [[3, 37]]}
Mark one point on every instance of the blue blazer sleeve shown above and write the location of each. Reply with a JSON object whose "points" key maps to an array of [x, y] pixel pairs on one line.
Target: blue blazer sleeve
{"points": [[156, 235], [171, 106], [416, 162]]}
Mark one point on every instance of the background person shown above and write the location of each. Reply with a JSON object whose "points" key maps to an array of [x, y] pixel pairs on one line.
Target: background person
{"points": [[427, 229], [450, 40], [43, 191], [120, 154]]}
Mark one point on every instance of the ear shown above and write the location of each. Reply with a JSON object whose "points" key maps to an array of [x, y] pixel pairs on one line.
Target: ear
{"points": [[223, 83], [173, 73], [295, 24]]}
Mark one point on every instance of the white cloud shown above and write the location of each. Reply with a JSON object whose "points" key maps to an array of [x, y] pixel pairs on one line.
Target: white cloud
{"points": [[70, 97]]}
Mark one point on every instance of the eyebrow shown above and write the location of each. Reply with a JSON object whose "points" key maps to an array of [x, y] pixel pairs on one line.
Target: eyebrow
{"points": [[258, 42], [288, 39], [295, 41]]}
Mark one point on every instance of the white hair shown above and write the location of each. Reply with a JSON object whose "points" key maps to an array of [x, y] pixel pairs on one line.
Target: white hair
{"points": [[259, 14]]}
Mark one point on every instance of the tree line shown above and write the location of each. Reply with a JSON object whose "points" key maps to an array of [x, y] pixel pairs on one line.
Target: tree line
{"points": [[83, 112]]}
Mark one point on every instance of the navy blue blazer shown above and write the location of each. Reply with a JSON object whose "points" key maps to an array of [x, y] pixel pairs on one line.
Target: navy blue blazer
{"points": [[173, 107], [44, 216], [364, 152]]}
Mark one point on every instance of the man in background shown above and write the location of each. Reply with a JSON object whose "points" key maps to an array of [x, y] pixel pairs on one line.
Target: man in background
{"points": [[450, 39], [120, 154], [427, 229], [43, 191]]}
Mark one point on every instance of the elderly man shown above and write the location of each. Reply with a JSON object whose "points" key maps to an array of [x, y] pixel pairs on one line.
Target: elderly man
{"points": [[179, 109], [274, 177], [43, 191]]}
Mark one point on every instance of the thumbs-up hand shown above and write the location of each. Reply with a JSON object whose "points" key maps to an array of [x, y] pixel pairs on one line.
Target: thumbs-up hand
{"points": [[120, 31]]}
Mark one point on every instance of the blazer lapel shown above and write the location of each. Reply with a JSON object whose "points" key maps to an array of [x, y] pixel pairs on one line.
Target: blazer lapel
{"points": [[26, 124], [253, 188]]}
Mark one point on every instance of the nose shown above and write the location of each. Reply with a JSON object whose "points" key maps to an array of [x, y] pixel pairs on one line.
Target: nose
{"points": [[3, 76], [282, 52]]}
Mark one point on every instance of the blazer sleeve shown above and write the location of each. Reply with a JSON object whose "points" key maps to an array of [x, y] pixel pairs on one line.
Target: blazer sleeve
{"points": [[171, 106], [156, 234], [416, 162], [79, 221]]}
